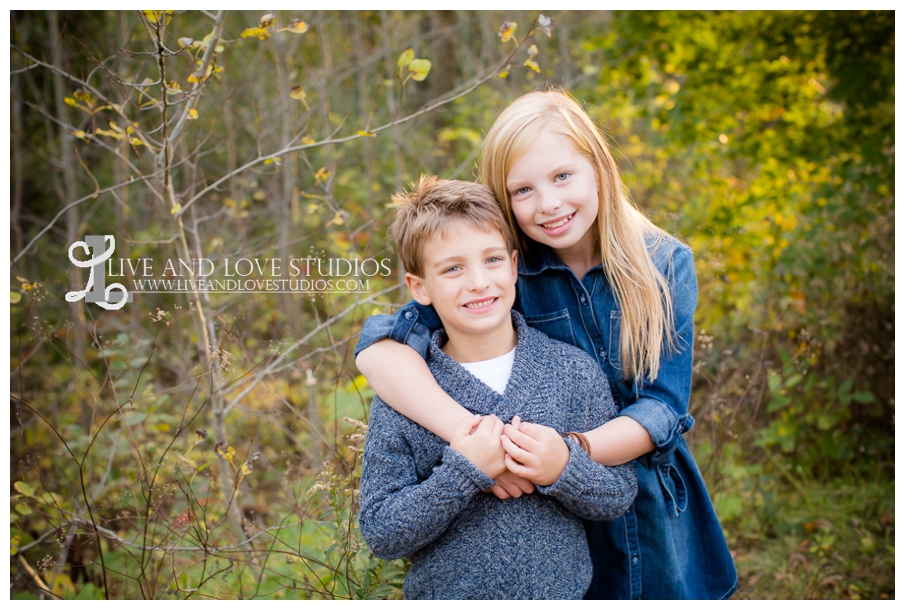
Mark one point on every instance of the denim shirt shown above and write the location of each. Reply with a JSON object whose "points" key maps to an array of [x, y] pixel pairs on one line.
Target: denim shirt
{"points": [[670, 545]]}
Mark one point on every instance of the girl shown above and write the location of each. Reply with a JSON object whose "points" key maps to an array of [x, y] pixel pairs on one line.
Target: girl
{"points": [[596, 273]]}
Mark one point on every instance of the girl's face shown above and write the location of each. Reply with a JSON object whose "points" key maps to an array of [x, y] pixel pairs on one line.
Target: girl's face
{"points": [[553, 191]]}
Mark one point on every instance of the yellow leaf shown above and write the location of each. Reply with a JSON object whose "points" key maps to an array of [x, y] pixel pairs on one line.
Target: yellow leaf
{"points": [[419, 69], [175, 209], [267, 20], [71, 102], [81, 135], [321, 175], [532, 50], [173, 87], [219, 48], [337, 220], [505, 72], [186, 42], [21, 279], [14, 297], [406, 58], [532, 64], [84, 96], [136, 142], [298, 93], [246, 468], [297, 26], [115, 127], [109, 134], [275, 160], [194, 77], [228, 454], [260, 33], [308, 140], [507, 30], [25, 489], [193, 114], [367, 134]]}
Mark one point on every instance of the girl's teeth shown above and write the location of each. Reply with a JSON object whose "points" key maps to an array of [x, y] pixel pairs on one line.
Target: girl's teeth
{"points": [[555, 225], [481, 304]]}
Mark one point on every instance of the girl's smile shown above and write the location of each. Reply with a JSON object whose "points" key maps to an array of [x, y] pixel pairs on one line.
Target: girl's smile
{"points": [[553, 192]]}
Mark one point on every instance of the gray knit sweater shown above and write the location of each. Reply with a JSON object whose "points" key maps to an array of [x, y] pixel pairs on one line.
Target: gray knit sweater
{"points": [[423, 500]]}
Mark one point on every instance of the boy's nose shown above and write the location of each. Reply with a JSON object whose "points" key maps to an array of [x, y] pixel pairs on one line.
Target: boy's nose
{"points": [[478, 279]]}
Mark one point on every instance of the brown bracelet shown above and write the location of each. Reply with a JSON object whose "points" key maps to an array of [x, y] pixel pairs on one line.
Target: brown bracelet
{"points": [[581, 439]]}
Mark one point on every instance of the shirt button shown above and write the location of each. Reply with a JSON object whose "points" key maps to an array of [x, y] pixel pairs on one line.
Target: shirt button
{"points": [[602, 354], [635, 558], [408, 315], [584, 300]]}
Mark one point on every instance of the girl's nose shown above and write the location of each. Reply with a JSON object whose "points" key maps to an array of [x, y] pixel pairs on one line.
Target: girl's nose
{"points": [[548, 203]]}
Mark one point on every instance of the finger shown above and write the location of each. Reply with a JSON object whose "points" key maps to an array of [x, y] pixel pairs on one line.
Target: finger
{"points": [[524, 485], [512, 489], [499, 492], [516, 421], [537, 431], [516, 468], [520, 438], [516, 452]]}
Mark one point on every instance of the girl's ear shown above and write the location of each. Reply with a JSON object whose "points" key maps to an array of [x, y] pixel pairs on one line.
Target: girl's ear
{"points": [[417, 288]]}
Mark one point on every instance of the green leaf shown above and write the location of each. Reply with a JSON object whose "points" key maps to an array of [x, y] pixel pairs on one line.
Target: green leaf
{"points": [[864, 397]]}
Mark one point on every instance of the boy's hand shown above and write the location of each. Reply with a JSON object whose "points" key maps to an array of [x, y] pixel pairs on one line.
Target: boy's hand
{"points": [[534, 452], [510, 485], [478, 439]]}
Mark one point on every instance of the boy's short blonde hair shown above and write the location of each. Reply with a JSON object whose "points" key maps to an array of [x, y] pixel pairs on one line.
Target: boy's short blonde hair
{"points": [[432, 205]]}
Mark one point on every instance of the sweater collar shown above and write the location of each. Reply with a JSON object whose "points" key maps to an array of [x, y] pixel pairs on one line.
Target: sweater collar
{"points": [[474, 395]]}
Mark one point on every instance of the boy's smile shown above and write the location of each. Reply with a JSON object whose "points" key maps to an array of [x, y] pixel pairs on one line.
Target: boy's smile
{"points": [[469, 278]]}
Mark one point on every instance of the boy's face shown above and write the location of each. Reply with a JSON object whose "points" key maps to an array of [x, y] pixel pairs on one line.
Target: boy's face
{"points": [[469, 278]]}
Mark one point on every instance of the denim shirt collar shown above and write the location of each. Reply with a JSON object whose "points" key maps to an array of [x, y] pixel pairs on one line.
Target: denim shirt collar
{"points": [[540, 258]]}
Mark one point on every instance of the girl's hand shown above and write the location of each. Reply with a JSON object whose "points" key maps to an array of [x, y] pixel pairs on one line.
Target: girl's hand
{"points": [[509, 485], [534, 452], [478, 439]]}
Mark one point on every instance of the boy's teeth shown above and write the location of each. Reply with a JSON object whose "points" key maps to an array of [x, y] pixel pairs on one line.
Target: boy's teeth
{"points": [[480, 304], [554, 225]]}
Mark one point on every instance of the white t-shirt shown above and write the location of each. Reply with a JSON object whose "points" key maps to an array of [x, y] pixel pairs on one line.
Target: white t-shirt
{"points": [[494, 372]]}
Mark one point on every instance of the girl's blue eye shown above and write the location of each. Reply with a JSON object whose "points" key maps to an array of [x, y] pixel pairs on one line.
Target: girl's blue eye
{"points": [[562, 176], [521, 191]]}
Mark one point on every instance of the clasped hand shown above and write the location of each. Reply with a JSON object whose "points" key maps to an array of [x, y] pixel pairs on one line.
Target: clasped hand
{"points": [[518, 455]]}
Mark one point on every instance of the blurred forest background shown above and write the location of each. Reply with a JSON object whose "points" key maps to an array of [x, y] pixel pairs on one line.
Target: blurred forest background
{"points": [[208, 445]]}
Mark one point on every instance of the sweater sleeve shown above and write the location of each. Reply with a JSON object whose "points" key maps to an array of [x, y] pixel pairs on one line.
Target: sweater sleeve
{"points": [[590, 490], [593, 491], [399, 514]]}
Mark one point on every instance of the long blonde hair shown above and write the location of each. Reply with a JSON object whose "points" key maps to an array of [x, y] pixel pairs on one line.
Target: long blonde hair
{"points": [[647, 326]]}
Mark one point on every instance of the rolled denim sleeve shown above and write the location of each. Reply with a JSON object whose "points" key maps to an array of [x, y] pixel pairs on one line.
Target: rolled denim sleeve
{"points": [[412, 325], [662, 405]]}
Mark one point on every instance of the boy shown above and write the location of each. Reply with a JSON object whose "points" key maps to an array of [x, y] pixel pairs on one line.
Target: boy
{"points": [[421, 498]]}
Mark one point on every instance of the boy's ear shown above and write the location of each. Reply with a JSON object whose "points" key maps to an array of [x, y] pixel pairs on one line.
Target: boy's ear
{"points": [[416, 287]]}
